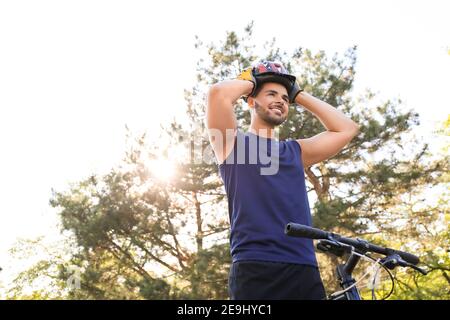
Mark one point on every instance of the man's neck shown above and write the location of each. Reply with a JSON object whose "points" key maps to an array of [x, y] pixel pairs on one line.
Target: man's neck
{"points": [[262, 131]]}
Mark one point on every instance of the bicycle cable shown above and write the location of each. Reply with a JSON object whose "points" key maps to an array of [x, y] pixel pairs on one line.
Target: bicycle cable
{"points": [[390, 276], [362, 277], [374, 262]]}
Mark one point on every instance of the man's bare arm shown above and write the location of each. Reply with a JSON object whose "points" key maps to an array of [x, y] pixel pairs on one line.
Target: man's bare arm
{"points": [[340, 130], [220, 117]]}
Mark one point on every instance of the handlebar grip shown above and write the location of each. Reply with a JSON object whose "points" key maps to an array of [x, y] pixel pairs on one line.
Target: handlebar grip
{"points": [[300, 230]]}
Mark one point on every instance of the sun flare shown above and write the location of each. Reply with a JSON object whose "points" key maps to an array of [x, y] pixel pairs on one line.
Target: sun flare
{"points": [[162, 169]]}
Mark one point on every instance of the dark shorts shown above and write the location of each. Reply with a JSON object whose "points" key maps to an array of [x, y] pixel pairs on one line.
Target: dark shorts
{"points": [[262, 280]]}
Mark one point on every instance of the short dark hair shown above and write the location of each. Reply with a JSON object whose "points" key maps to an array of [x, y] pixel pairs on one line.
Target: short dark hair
{"points": [[273, 80]]}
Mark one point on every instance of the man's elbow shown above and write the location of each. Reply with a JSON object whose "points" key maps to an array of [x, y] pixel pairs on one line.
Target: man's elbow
{"points": [[214, 91], [211, 94], [354, 129]]}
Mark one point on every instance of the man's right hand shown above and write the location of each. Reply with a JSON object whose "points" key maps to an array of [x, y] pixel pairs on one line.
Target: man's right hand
{"points": [[248, 75]]}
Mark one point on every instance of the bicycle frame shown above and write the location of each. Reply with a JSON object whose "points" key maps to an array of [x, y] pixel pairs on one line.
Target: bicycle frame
{"points": [[344, 273]]}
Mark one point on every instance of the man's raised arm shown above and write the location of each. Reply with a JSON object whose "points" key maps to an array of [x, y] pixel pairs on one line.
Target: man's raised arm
{"points": [[220, 117], [340, 130]]}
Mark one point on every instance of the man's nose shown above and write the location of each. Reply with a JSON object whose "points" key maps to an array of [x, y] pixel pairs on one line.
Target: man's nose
{"points": [[280, 100]]}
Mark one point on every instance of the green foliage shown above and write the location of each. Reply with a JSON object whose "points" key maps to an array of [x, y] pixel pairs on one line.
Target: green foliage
{"points": [[209, 274]]}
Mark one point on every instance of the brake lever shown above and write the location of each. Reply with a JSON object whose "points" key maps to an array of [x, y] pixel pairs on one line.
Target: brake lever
{"points": [[407, 264], [422, 271], [395, 260]]}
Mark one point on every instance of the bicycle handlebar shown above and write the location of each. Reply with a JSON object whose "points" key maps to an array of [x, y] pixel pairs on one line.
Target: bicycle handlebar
{"points": [[300, 230]]}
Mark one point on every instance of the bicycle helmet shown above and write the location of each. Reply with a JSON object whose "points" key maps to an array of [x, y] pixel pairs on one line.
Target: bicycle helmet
{"points": [[270, 71]]}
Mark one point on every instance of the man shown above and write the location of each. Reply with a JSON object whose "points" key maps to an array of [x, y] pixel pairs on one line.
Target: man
{"points": [[266, 263]]}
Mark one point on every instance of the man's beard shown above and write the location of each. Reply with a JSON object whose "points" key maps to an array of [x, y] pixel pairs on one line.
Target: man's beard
{"points": [[268, 117]]}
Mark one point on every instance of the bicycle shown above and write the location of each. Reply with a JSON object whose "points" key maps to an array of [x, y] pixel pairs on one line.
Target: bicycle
{"points": [[356, 249]]}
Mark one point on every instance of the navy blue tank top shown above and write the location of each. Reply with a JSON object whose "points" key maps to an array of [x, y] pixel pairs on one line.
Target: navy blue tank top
{"points": [[265, 185]]}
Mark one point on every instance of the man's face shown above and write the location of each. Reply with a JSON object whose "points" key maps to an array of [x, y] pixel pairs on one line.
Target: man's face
{"points": [[271, 104]]}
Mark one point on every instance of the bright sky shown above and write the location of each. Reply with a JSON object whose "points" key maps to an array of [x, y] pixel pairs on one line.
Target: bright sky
{"points": [[73, 73]]}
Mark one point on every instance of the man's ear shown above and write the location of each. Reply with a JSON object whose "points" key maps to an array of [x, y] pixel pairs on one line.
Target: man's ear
{"points": [[251, 102]]}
